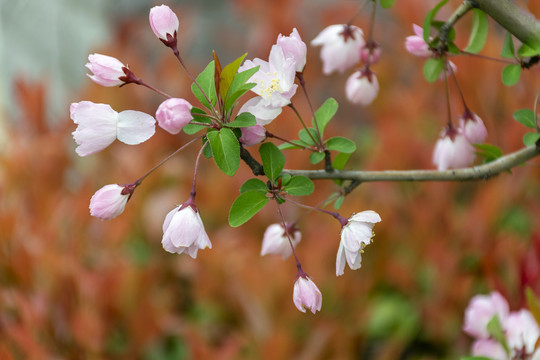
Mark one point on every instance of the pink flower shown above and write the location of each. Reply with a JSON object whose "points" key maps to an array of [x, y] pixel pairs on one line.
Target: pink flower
{"points": [[341, 46], [306, 295], [416, 45], [481, 310], [252, 135], [370, 53], [110, 201], [452, 150], [99, 125], [173, 114], [183, 231], [362, 87], [106, 70], [522, 332], [275, 240], [164, 22], [293, 47], [355, 236], [472, 127], [489, 348]]}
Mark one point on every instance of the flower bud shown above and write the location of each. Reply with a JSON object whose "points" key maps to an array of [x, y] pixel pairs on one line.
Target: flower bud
{"points": [[294, 47], [472, 127], [306, 295], [252, 135], [106, 70], [362, 87], [416, 45], [370, 53], [110, 201], [453, 150], [164, 22], [275, 240], [173, 114]]}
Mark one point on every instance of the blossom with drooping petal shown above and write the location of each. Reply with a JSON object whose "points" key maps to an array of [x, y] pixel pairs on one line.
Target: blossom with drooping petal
{"points": [[106, 70], [452, 150], [293, 47], [99, 125], [489, 348], [522, 332], [481, 310], [110, 201], [356, 234], [275, 240], [173, 114], [341, 45], [252, 135], [472, 127], [306, 295], [163, 22], [416, 45], [183, 231], [362, 87]]}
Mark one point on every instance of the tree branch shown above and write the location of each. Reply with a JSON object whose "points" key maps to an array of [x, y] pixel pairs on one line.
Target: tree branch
{"points": [[481, 172]]}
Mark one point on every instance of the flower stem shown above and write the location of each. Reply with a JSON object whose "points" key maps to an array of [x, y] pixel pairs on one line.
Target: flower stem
{"points": [[343, 221], [284, 224], [319, 143], [447, 91], [270, 135], [291, 105], [193, 192]]}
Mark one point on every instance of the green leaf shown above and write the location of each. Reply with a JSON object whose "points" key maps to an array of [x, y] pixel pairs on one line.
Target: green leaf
{"points": [[488, 152], [433, 68], [206, 82], [233, 97], [226, 150], [429, 19], [341, 160], [324, 114], [285, 178], [299, 186], [508, 47], [341, 144], [479, 32], [530, 138], [339, 202], [387, 4], [273, 160], [254, 185], [495, 329], [437, 24], [191, 129], [239, 86], [245, 206], [244, 119], [227, 75], [207, 150], [527, 51], [316, 157], [287, 146], [511, 74], [526, 117], [304, 135]]}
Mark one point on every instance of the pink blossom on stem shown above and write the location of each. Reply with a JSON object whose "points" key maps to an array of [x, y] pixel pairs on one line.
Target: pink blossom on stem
{"points": [[489, 348], [106, 70], [173, 114], [341, 46], [252, 135], [306, 295], [110, 201], [293, 47], [163, 22], [481, 310], [472, 127], [370, 53], [416, 45], [275, 240], [452, 150], [362, 87]]}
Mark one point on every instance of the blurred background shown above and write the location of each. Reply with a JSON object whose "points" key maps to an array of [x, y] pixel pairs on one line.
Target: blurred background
{"points": [[75, 287]]}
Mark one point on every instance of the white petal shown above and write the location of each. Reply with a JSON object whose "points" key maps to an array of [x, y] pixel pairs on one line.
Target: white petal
{"points": [[367, 216], [135, 127], [340, 260]]}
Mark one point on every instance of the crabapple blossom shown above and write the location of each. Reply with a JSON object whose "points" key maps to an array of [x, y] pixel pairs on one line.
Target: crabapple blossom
{"points": [[481, 310], [110, 201], [276, 241], [452, 150], [99, 125], [522, 332], [306, 295], [173, 114], [362, 87], [183, 231], [164, 22], [263, 112], [489, 348], [356, 234], [416, 45], [370, 53], [252, 135], [293, 47], [472, 127], [341, 45], [106, 70]]}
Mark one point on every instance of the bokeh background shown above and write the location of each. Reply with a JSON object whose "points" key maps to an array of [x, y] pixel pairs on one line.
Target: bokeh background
{"points": [[74, 287]]}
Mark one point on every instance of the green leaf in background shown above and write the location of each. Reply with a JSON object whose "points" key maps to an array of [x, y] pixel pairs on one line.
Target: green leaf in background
{"points": [[227, 75], [526, 117], [387, 4], [530, 138], [304, 135], [495, 329], [273, 160], [239, 86], [226, 150], [433, 68], [429, 19], [488, 152], [508, 47], [339, 202], [316, 157], [341, 144], [254, 185], [206, 82], [324, 114], [191, 129], [479, 32], [299, 186], [244, 119], [340, 161], [511, 74], [245, 206], [527, 51]]}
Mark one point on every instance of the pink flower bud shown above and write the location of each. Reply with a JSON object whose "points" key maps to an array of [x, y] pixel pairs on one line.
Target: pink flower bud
{"points": [[173, 114], [453, 150], [481, 310], [275, 240], [306, 295], [341, 46], [362, 87], [183, 231], [416, 45], [106, 70], [472, 127], [110, 201], [253, 135], [294, 47], [164, 22], [370, 53]]}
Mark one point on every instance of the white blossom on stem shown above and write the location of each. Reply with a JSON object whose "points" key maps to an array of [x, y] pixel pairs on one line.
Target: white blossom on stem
{"points": [[362, 87], [306, 295], [453, 150], [276, 241], [110, 201]]}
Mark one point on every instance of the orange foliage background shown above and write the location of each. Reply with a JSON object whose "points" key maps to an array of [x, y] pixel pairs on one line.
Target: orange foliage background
{"points": [[75, 287]]}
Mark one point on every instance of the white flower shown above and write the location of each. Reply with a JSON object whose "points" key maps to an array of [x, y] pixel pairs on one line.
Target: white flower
{"points": [[110, 201], [306, 295], [522, 332], [362, 87], [355, 235], [275, 241], [453, 150]]}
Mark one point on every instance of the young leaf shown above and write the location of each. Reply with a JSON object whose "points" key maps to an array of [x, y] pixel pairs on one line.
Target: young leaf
{"points": [[245, 206], [299, 186], [325, 113], [429, 18], [191, 129], [207, 150], [433, 68], [339, 202], [244, 119], [341, 160], [530, 138], [511, 74], [495, 329], [304, 136], [226, 150], [288, 146], [387, 4], [254, 185], [285, 178], [527, 51], [488, 152], [341, 144], [273, 160], [233, 96], [206, 82], [316, 157], [526, 117], [508, 47], [479, 31], [227, 75], [239, 86]]}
